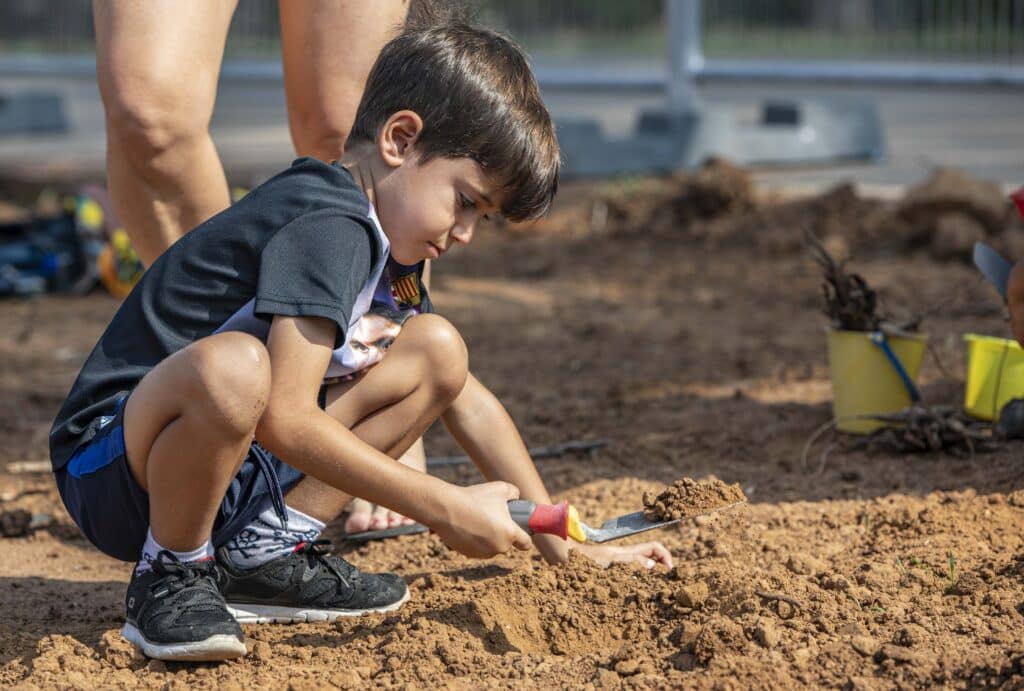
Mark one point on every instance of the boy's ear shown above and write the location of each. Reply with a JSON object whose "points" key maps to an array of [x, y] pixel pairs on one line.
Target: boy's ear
{"points": [[398, 135]]}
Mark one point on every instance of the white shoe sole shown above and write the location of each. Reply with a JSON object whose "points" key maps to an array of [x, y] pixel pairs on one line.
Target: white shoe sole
{"points": [[278, 614], [221, 646]]}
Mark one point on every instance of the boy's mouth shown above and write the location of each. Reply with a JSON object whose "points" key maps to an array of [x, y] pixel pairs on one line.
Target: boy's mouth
{"points": [[438, 250]]}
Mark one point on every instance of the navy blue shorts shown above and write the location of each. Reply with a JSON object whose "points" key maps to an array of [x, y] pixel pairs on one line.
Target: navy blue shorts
{"points": [[112, 510]]}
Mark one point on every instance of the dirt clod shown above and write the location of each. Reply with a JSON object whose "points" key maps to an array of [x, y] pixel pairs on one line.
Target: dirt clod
{"points": [[864, 645], [15, 523], [687, 497]]}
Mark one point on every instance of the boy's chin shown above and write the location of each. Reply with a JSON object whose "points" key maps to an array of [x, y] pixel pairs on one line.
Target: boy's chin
{"points": [[408, 258]]}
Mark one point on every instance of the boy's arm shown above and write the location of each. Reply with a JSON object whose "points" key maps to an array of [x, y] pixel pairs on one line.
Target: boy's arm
{"points": [[473, 520], [484, 429]]}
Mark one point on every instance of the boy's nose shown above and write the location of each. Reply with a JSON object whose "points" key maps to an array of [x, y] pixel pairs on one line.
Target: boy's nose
{"points": [[462, 233]]}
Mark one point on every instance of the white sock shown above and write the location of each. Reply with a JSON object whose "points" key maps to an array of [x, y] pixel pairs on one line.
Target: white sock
{"points": [[152, 548], [267, 538]]}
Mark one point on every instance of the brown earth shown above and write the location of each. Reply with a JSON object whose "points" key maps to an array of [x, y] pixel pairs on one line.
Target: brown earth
{"points": [[694, 346]]}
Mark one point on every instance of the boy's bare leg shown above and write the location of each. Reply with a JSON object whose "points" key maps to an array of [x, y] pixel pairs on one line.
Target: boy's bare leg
{"points": [[187, 429], [328, 48], [392, 404], [157, 63]]}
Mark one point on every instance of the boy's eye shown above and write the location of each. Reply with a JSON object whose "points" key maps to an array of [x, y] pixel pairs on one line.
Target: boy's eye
{"points": [[466, 202]]}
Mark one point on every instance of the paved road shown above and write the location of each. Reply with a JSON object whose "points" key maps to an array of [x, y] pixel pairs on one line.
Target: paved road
{"points": [[978, 129]]}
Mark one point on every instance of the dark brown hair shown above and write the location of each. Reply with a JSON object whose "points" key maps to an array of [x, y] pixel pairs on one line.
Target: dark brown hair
{"points": [[478, 99]]}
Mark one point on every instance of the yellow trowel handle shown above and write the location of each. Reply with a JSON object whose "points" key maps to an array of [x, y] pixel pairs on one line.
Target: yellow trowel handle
{"points": [[552, 519]]}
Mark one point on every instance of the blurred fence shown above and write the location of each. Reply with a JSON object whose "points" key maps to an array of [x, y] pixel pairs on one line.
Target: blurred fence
{"points": [[980, 32]]}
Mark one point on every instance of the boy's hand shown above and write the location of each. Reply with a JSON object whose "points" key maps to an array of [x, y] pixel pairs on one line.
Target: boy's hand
{"points": [[647, 554], [1015, 300], [479, 524]]}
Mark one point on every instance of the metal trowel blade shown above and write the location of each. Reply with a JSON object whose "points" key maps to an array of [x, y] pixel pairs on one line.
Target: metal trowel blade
{"points": [[993, 266], [633, 523]]}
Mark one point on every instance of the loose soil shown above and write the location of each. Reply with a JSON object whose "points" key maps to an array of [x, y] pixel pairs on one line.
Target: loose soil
{"points": [[688, 497], [693, 343]]}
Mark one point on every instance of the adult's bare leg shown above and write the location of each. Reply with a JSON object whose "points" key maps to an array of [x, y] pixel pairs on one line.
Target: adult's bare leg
{"points": [[157, 63], [328, 48]]}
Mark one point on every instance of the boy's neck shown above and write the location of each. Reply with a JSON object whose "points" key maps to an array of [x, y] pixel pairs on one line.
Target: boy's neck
{"points": [[361, 161]]}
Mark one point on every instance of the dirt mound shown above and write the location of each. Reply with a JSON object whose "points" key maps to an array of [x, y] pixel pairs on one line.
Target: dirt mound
{"points": [[718, 189], [687, 497], [944, 216]]}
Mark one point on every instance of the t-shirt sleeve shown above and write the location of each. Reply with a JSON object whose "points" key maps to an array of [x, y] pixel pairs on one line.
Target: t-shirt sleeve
{"points": [[315, 267]]}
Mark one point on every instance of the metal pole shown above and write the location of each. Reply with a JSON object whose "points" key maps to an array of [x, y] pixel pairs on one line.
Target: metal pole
{"points": [[685, 58]]}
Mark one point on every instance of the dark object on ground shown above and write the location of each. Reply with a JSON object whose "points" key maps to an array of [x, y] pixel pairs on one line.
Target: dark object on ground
{"points": [[930, 428], [1011, 420], [15, 523], [41, 255], [384, 533]]}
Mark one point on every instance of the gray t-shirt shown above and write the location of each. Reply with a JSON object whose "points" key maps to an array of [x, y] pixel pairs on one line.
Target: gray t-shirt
{"points": [[305, 243]]}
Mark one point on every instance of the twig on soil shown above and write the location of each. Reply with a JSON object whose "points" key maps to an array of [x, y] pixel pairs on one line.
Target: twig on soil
{"points": [[930, 428], [780, 597], [824, 457], [918, 429], [813, 438], [536, 452], [29, 467]]}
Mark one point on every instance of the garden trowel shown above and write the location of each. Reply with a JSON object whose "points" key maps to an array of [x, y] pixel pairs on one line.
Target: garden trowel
{"points": [[563, 520]]}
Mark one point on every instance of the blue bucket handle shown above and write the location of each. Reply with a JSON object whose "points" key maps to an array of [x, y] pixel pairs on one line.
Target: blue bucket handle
{"points": [[879, 339]]}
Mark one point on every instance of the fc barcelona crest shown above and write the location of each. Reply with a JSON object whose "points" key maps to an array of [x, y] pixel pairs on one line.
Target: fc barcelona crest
{"points": [[405, 291]]}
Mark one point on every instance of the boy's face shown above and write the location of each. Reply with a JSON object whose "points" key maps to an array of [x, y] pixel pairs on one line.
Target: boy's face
{"points": [[426, 207]]}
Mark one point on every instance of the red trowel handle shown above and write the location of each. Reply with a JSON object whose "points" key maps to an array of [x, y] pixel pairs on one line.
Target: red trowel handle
{"points": [[552, 519], [1018, 199]]}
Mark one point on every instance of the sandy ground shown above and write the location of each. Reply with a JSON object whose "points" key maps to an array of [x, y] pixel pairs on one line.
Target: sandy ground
{"points": [[694, 347]]}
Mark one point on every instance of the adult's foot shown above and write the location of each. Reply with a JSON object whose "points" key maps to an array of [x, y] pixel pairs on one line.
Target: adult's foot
{"points": [[363, 516]]}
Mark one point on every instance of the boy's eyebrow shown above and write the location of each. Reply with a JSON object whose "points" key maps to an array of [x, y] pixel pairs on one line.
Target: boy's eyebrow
{"points": [[480, 193]]}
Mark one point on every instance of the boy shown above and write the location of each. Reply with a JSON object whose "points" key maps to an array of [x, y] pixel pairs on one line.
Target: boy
{"points": [[233, 331]]}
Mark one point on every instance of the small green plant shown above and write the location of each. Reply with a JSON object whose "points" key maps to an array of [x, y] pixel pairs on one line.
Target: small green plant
{"points": [[951, 576]]}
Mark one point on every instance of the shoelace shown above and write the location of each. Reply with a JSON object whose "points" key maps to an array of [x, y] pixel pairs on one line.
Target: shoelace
{"points": [[265, 465], [175, 575], [319, 552]]}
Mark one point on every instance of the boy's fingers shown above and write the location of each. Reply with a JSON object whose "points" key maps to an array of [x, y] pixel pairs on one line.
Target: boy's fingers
{"points": [[511, 491], [659, 553], [521, 539]]}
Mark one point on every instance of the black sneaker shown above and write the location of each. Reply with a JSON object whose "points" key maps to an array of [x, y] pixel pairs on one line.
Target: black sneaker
{"points": [[176, 612], [307, 585]]}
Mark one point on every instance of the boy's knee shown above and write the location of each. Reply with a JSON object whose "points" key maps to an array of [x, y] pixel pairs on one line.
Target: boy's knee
{"points": [[147, 118], [232, 378], [445, 353]]}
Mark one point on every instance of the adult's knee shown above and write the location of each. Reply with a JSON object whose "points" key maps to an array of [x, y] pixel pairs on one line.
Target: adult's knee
{"points": [[231, 380], [319, 134], [444, 352], [148, 117]]}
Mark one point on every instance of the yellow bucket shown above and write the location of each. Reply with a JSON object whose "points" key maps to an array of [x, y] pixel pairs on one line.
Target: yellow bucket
{"points": [[995, 375], [865, 382]]}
